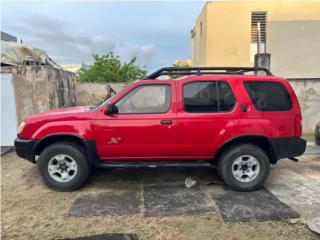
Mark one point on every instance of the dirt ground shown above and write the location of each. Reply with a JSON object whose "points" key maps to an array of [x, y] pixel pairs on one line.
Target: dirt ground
{"points": [[31, 211]]}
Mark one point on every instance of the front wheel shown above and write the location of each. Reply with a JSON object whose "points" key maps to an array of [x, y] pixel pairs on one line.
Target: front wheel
{"points": [[244, 167], [63, 166]]}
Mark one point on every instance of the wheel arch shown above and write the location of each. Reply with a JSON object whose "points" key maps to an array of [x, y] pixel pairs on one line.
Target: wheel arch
{"points": [[88, 146], [259, 140]]}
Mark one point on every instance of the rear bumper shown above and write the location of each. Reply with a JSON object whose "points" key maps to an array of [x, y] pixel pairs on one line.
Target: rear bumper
{"points": [[25, 148], [288, 147]]}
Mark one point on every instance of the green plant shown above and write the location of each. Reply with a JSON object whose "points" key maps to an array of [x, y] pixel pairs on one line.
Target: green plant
{"points": [[108, 68]]}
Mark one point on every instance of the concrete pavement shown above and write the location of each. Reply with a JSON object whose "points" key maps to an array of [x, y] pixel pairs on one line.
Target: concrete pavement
{"points": [[298, 185], [292, 191]]}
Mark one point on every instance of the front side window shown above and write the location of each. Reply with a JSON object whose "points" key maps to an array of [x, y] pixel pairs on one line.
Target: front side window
{"points": [[208, 96], [268, 96], [146, 99]]}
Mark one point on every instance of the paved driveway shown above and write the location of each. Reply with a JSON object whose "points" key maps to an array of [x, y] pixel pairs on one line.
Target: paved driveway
{"points": [[292, 190]]}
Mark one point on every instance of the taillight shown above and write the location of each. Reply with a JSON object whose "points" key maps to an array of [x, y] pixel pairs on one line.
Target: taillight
{"points": [[298, 126]]}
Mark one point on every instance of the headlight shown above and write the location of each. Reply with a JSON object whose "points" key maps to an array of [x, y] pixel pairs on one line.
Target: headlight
{"points": [[21, 127]]}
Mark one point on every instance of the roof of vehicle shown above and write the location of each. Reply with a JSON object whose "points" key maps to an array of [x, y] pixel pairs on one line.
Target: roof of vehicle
{"points": [[231, 77], [213, 73]]}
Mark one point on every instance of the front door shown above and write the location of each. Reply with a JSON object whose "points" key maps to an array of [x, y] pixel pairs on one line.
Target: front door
{"points": [[144, 127]]}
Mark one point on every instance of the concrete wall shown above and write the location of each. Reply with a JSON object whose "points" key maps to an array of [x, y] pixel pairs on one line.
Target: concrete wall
{"points": [[62, 88], [308, 93], [92, 93], [41, 88]]}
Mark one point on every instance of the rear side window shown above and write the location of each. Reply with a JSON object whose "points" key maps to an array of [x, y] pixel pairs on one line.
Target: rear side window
{"points": [[268, 96], [208, 96]]}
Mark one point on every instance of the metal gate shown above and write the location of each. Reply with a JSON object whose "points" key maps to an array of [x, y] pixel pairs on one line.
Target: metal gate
{"points": [[8, 110]]}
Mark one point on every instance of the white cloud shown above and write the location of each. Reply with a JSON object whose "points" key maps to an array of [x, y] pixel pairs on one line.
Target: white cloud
{"points": [[65, 46], [144, 54]]}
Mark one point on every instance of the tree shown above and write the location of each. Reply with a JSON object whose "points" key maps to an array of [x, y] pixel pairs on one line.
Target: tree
{"points": [[180, 65], [108, 68]]}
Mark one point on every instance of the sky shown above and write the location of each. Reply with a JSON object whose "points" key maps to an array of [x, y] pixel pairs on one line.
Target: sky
{"points": [[157, 33]]}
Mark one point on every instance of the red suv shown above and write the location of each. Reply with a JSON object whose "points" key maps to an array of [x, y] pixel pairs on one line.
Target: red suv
{"points": [[221, 117]]}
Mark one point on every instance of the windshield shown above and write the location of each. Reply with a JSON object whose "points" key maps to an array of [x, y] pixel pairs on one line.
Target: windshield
{"points": [[100, 104]]}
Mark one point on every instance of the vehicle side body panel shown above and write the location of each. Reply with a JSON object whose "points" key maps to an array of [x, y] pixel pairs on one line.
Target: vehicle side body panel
{"points": [[201, 134], [188, 136]]}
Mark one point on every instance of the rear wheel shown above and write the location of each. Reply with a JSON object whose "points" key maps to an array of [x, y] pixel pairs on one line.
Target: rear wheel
{"points": [[244, 167], [63, 166]]}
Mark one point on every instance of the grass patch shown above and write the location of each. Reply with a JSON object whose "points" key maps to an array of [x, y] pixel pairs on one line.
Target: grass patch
{"points": [[183, 226]]}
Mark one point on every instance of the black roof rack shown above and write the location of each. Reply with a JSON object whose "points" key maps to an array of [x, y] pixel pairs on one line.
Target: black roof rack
{"points": [[206, 70]]}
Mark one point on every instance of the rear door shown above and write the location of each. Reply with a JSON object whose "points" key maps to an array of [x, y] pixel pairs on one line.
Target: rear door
{"points": [[205, 109]]}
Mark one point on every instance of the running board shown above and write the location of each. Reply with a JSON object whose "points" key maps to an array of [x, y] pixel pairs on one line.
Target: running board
{"points": [[152, 164]]}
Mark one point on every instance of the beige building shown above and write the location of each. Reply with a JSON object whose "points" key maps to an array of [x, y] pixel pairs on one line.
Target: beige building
{"points": [[74, 67], [225, 34], [183, 62]]}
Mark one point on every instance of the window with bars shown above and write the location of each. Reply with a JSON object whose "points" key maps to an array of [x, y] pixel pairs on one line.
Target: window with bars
{"points": [[259, 16]]}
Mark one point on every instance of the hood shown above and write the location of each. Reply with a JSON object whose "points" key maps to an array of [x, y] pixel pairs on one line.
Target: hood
{"points": [[71, 113], [59, 120]]}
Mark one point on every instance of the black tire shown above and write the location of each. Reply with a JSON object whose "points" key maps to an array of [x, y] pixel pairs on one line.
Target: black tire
{"points": [[317, 134], [73, 150], [228, 157]]}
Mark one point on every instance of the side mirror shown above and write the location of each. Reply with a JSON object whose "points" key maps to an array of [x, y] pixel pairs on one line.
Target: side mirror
{"points": [[111, 109]]}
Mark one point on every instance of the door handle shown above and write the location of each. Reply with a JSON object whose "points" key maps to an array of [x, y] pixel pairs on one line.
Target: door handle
{"points": [[166, 122]]}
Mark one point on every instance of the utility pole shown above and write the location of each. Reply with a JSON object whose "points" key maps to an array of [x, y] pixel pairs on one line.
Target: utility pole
{"points": [[261, 59], [258, 38]]}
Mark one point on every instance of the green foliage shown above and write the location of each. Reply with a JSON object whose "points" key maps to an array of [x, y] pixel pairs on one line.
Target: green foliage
{"points": [[108, 68], [179, 65]]}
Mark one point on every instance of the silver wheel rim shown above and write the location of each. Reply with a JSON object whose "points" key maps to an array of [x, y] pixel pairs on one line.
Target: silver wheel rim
{"points": [[62, 168], [245, 168]]}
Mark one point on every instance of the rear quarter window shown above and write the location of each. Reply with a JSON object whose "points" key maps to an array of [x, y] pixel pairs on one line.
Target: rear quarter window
{"points": [[268, 96]]}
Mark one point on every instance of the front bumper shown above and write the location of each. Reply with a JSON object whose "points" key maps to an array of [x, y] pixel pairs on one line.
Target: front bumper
{"points": [[288, 147], [25, 148]]}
